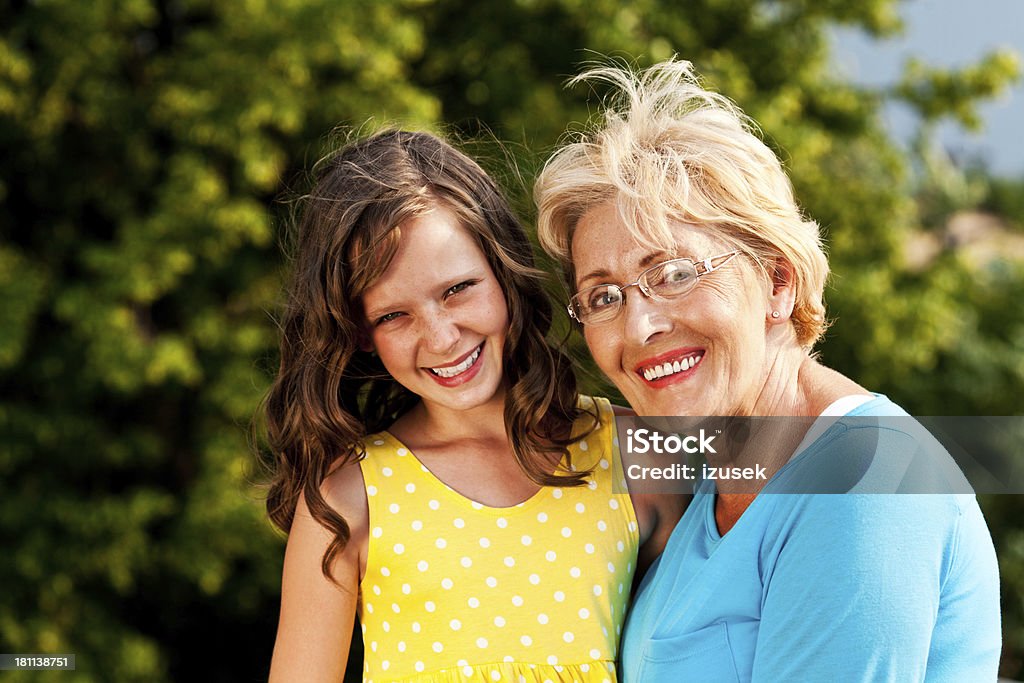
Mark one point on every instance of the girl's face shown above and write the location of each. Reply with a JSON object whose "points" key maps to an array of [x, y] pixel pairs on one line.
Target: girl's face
{"points": [[437, 317]]}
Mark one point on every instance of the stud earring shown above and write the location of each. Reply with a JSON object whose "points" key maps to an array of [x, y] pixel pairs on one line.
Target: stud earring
{"points": [[775, 314]]}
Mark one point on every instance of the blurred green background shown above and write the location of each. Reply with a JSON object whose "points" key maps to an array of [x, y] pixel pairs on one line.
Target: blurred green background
{"points": [[146, 146]]}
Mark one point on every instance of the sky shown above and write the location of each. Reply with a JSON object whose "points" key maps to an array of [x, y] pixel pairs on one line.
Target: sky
{"points": [[948, 33]]}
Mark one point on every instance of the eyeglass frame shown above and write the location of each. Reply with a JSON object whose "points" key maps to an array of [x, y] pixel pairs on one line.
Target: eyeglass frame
{"points": [[641, 284]]}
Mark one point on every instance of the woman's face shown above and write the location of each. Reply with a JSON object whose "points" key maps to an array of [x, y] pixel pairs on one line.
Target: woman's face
{"points": [[717, 330], [437, 317]]}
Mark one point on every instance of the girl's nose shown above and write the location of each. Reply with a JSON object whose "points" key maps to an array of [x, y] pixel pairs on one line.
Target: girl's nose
{"points": [[441, 333]]}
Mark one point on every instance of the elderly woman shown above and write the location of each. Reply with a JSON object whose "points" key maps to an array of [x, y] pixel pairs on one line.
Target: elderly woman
{"points": [[698, 285]]}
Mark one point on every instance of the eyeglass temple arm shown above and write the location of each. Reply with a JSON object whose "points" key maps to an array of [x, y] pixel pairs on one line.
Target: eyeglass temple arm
{"points": [[707, 265]]}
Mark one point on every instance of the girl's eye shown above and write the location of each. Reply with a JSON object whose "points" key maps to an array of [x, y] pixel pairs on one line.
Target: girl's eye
{"points": [[387, 317], [455, 289]]}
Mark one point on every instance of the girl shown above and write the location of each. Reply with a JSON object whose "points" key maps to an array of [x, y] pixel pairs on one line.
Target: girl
{"points": [[435, 469]]}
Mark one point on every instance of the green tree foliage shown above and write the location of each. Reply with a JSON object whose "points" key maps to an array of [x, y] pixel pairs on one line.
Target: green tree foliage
{"points": [[142, 146]]}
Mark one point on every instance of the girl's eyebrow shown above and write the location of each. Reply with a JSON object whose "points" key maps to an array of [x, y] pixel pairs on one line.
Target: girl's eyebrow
{"points": [[473, 273]]}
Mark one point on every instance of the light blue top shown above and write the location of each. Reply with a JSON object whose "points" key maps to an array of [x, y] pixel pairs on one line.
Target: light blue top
{"points": [[816, 587]]}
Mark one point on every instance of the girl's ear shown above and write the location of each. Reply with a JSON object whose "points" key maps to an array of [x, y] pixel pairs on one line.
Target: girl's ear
{"points": [[364, 341], [783, 294]]}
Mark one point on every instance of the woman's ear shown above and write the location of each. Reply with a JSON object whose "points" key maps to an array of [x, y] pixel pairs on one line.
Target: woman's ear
{"points": [[782, 297]]}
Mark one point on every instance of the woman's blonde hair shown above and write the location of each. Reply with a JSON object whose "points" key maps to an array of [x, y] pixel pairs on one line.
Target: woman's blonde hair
{"points": [[667, 150]]}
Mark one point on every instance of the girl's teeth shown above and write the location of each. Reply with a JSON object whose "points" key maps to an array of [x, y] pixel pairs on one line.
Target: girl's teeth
{"points": [[457, 369], [666, 369]]}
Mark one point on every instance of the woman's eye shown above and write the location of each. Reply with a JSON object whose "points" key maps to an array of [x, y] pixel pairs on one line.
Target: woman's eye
{"points": [[604, 297]]}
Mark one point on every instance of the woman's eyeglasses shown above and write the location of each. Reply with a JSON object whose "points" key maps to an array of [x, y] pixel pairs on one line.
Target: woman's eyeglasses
{"points": [[666, 280]]}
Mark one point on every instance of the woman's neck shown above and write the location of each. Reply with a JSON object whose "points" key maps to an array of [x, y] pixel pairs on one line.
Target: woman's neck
{"points": [[429, 424]]}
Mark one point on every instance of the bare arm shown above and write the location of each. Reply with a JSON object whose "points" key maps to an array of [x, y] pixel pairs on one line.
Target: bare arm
{"points": [[317, 616]]}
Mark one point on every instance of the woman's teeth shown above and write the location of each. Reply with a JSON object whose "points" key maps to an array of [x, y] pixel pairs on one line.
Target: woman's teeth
{"points": [[666, 369], [460, 368]]}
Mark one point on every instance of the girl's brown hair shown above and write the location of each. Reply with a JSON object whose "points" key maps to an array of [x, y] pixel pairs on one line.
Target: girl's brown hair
{"points": [[328, 393]]}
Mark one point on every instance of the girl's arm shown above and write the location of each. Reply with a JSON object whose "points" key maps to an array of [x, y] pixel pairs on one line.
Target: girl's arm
{"points": [[656, 515], [317, 616]]}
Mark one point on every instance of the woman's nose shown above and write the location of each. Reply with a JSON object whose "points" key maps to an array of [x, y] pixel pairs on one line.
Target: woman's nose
{"points": [[643, 318]]}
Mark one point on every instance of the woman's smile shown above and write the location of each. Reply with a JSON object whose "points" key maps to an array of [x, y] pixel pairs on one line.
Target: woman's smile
{"points": [[459, 371]]}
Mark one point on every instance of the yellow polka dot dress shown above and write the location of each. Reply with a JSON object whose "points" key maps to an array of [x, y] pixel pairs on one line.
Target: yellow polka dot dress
{"points": [[458, 591]]}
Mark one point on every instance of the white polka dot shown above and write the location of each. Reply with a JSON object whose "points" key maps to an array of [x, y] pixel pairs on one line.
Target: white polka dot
{"points": [[499, 621], [584, 668], [377, 532], [476, 506], [384, 571], [595, 654], [507, 659], [526, 540], [447, 584], [416, 525], [459, 523], [419, 667], [621, 587], [584, 613], [583, 445], [429, 606], [620, 546], [550, 556], [466, 562], [401, 646], [369, 608], [611, 567], [433, 505], [371, 490], [495, 676], [632, 526], [526, 640], [378, 442], [406, 588], [422, 565], [385, 665], [481, 642], [604, 464], [592, 485], [399, 548], [613, 504], [485, 542], [455, 624], [566, 532], [373, 646], [557, 493], [441, 543], [589, 548], [552, 660], [502, 522], [395, 608], [416, 627], [376, 590], [510, 561], [387, 471], [437, 646], [568, 637], [542, 517], [403, 452], [597, 591], [534, 579], [473, 602], [393, 508], [559, 596], [410, 488], [386, 626], [468, 670], [575, 572], [491, 581], [542, 618], [580, 507], [517, 601]]}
